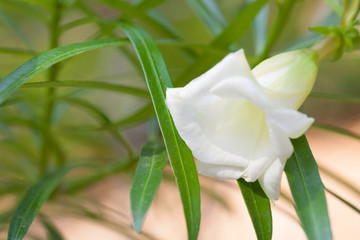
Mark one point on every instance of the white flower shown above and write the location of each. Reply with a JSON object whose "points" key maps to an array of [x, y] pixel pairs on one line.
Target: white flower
{"points": [[238, 122]]}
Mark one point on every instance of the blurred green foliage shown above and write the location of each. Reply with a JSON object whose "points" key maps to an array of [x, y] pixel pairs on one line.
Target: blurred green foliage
{"points": [[93, 109]]}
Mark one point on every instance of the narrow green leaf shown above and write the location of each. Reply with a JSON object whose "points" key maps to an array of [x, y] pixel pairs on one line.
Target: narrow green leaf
{"points": [[232, 33], [181, 159], [32, 202], [258, 206], [31, 10], [350, 205], [145, 4], [140, 115], [259, 28], [19, 33], [45, 60], [146, 180], [335, 96], [53, 233], [17, 51], [337, 130], [131, 12], [100, 172], [277, 27], [210, 14], [103, 119], [308, 191], [91, 84]]}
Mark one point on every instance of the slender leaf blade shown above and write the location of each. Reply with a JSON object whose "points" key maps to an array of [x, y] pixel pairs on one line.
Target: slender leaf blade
{"points": [[232, 33], [146, 180], [258, 206], [15, 28], [181, 159], [45, 60], [210, 14], [308, 191], [52, 232], [139, 92], [32, 202]]}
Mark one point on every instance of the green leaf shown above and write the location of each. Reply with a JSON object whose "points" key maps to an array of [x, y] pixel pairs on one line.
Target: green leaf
{"points": [[232, 33], [277, 27], [210, 14], [15, 28], [104, 120], [53, 233], [181, 159], [259, 28], [45, 60], [17, 51], [138, 116], [350, 205], [308, 191], [91, 84], [99, 172], [337, 130], [32, 202], [335, 96], [146, 180], [239, 25], [132, 12], [258, 206], [321, 29]]}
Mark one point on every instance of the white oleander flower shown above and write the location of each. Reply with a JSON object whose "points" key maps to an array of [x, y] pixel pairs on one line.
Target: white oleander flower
{"points": [[238, 121]]}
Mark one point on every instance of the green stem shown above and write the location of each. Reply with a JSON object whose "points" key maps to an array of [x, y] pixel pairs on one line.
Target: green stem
{"points": [[50, 103], [326, 46]]}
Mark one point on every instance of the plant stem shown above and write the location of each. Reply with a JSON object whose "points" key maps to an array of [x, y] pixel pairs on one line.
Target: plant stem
{"points": [[50, 103], [326, 46]]}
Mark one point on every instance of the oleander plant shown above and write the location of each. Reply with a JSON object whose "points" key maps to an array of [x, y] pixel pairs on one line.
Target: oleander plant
{"points": [[193, 94]]}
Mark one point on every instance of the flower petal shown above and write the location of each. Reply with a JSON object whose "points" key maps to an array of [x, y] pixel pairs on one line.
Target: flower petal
{"points": [[256, 168], [288, 77], [233, 65], [271, 179], [207, 143], [292, 122], [242, 88], [219, 170], [280, 141]]}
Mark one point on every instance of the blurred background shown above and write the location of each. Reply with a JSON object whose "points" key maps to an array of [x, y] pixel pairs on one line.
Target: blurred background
{"points": [[106, 129]]}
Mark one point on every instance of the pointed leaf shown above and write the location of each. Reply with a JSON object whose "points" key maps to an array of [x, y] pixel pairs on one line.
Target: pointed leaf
{"points": [[231, 34], [210, 14], [258, 206], [45, 60], [31, 204], [181, 159], [308, 191], [147, 180], [53, 233]]}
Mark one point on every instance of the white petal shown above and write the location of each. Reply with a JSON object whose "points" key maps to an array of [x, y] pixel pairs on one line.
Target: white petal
{"points": [[256, 168], [288, 77], [242, 88], [292, 122], [291, 100], [219, 170], [233, 65], [271, 179], [207, 143], [280, 141]]}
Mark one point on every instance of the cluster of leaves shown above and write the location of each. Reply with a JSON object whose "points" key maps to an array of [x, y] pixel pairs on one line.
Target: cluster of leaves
{"points": [[34, 157]]}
